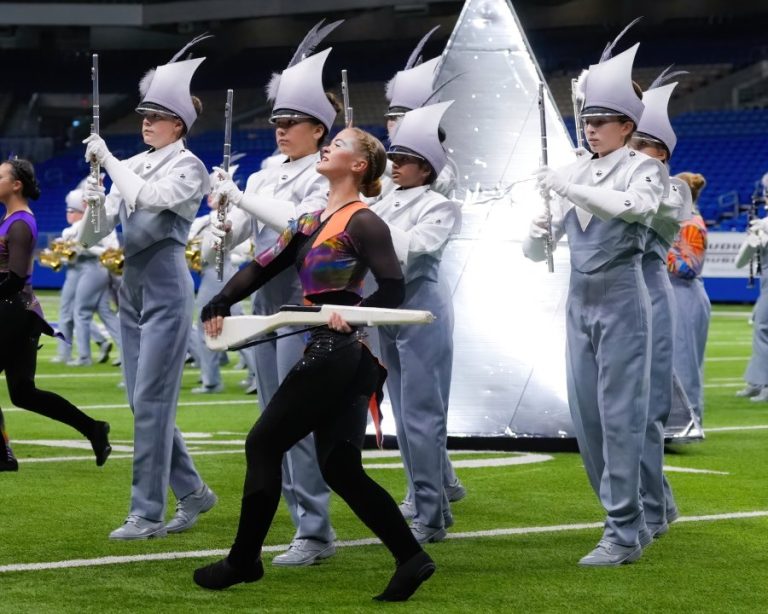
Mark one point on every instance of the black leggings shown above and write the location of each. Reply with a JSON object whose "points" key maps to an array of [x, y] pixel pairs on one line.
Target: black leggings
{"points": [[327, 394], [18, 358]]}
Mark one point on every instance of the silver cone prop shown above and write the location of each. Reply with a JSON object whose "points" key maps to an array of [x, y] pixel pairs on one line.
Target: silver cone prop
{"points": [[509, 338]]}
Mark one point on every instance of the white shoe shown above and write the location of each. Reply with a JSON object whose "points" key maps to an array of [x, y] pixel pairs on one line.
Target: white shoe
{"points": [[79, 362], [426, 535], [303, 552], [190, 507], [136, 527], [608, 554], [750, 391], [252, 388], [105, 347], [208, 389], [761, 397]]}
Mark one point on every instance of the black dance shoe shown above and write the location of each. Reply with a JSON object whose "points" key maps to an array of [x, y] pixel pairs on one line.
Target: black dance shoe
{"points": [[9, 464], [222, 574], [408, 577], [100, 442]]}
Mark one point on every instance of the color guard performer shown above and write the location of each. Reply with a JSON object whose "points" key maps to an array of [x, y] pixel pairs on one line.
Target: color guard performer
{"points": [[303, 116], [685, 262], [21, 317]]}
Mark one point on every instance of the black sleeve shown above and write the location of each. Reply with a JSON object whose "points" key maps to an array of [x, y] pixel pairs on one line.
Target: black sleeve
{"points": [[20, 245], [373, 242], [250, 278]]}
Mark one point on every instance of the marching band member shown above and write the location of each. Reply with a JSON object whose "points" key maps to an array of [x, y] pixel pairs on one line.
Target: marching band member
{"points": [[303, 115], [69, 291], [155, 196], [420, 358], [91, 297], [412, 88], [328, 389], [604, 203], [656, 138], [409, 89], [756, 375], [685, 262], [21, 317], [210, 286]]}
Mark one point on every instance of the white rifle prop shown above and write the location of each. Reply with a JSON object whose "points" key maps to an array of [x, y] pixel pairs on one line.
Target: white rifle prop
{"points": [[240, 331]]}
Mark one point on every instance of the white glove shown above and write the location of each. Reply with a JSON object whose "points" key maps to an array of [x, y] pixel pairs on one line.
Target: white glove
{"points": [[550, 179], [96, 147], [758, 225], [582, 151], [221, 234], [538, 229], [225, 188], [754, 240], [93, 193]]}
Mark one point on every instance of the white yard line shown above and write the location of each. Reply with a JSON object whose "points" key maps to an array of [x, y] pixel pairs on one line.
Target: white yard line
{"points": [[731, 314], [194, 554], [726, 358], [251, 401], [723, 429]]}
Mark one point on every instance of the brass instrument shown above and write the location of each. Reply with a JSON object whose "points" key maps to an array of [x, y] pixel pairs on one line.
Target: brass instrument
{"points": [[194, 254], [58, 253], [113, 260]]}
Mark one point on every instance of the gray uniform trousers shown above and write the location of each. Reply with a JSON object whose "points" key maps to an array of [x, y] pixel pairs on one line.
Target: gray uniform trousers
{"points": [[93, 296], [155, 318], [66, 310], [306, 493], [691, 329], [655, 490], [210, 286], [757, 369], [608, 334], [419, 361]]}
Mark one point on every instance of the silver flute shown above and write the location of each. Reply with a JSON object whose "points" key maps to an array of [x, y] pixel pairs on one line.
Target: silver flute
{"points": [[576, 120], [348, 116], [95, 126], [221, 210], [548, 245]]}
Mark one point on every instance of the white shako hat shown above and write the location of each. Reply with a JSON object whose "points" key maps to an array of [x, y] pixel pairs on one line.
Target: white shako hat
{"points": [[417, 135], [411, 87], [609, 91], [165, 89], [298, 93], [74, 200], [655, 124]]}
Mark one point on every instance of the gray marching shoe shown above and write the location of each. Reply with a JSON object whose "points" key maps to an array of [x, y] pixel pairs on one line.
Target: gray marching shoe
{"points": [[750, 390], [761, 397], [190, 507], [407, 509], [136, 527], [427, 535], [105, 347], [645, 537], [456, 491], [303, 552], [658, 530], [608, 554]]}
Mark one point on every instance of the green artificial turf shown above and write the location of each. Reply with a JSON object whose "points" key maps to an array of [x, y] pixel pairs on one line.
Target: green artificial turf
{"points": [[60, 511]]}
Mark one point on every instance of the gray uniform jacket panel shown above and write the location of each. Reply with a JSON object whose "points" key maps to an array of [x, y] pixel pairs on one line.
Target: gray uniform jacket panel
{"points": [[176, 183], [421, 221]]}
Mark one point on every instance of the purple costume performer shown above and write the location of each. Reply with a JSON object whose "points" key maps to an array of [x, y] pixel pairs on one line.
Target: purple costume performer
{"points": [[21, 324]]}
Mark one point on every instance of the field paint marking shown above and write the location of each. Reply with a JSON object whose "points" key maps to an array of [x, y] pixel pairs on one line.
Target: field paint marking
{"points": [[723, 429], [691, 470], [522, 459], [194, 554], [740, 384], [726, 343], [726, 358], [181, 404], [115, 373], [731, 314]]}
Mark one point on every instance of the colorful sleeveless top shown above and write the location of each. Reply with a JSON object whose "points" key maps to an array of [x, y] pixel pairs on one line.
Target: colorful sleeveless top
{"points": [[332, 264], [686, 256], [27, 294]]}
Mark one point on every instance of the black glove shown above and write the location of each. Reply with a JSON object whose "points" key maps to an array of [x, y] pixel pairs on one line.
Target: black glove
{"points": [[218, 306]]}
